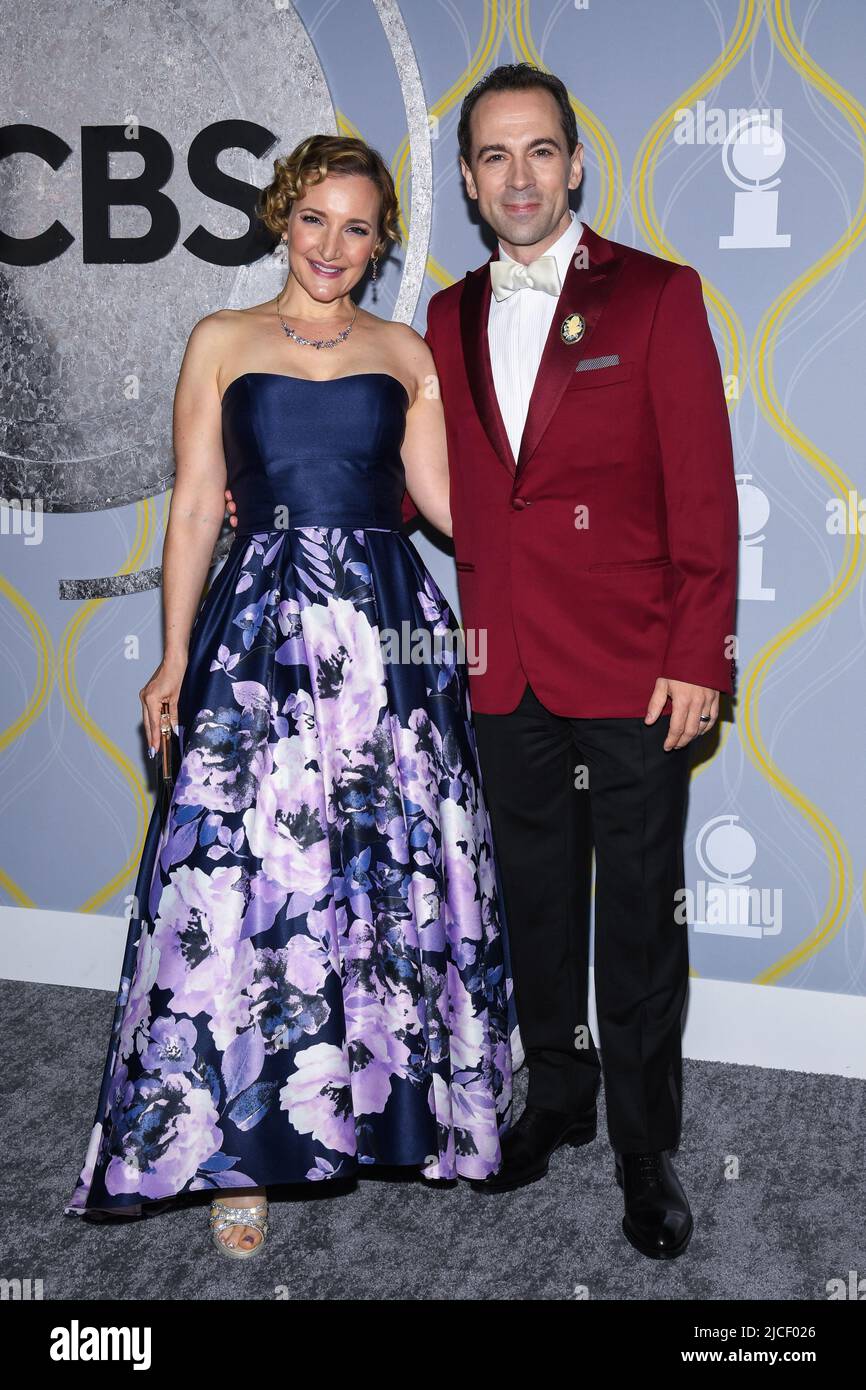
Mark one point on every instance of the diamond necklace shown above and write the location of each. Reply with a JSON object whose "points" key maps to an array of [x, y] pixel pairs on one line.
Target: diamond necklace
{"points": [[314, 342]]}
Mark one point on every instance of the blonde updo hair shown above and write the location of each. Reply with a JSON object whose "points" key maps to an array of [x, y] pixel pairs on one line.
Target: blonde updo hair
{"points": [[310, 162]]}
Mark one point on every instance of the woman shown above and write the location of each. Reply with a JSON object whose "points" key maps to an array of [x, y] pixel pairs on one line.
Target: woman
{"points": [[314, 976]]}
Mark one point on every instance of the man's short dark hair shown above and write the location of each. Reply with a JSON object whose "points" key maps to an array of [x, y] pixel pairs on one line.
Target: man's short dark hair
{"points": [[516, 77]]}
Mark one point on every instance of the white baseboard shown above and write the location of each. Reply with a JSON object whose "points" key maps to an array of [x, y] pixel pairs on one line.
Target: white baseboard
{"points": [[752, 1025], [61, 948], [771, 1026]]}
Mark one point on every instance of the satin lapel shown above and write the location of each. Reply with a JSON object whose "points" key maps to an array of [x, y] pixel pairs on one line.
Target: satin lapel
{"points": [[584, 291], [474, 308]]}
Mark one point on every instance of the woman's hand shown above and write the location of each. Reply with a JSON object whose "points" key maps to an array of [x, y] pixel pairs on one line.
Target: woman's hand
{"points": [[164, 684]]}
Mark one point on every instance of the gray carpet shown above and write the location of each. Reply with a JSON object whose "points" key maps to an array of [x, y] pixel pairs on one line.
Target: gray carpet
{"points": [[790, 1222]]}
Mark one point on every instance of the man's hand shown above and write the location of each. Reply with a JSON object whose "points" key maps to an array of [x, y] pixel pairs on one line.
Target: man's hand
{"points": [[688, 702], [232, 509]]}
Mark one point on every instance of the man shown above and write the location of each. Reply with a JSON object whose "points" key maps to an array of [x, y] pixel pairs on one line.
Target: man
{"points": [[595, 531]]}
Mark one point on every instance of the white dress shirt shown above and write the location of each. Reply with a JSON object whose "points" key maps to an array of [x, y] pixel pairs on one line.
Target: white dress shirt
{"points": [[517, 329]]}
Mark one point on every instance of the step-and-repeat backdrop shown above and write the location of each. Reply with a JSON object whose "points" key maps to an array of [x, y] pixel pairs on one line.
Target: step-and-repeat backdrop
{"points": [[730, 135]]}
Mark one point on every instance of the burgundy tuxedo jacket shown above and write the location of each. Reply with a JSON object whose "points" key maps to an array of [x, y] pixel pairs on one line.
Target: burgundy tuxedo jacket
{"points": [[605, 555]]}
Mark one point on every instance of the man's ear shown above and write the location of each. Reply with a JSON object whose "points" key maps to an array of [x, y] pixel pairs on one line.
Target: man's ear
{"points": [[576, 171], [468, 179]]}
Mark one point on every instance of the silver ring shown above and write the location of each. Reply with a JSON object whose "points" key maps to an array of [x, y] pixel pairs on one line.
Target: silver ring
{"points": [[704, 718]]}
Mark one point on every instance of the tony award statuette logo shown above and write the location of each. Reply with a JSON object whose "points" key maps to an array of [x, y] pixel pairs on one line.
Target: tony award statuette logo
{"points": [[753, 152], [754, 514]]}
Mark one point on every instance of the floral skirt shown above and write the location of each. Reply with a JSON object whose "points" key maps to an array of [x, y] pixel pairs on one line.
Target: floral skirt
{"points": [[316, 972]]}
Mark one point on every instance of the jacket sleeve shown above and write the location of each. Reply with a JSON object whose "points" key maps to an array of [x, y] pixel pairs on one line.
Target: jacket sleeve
{"points": [[408, 508], [694, 435]]}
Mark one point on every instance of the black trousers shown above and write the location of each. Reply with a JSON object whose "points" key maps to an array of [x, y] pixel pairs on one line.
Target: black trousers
{"points": [[544, 828]]}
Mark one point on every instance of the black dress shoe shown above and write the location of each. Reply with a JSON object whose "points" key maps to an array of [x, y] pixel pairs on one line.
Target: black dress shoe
{"points": [[658, 1220], [528, 1145]]}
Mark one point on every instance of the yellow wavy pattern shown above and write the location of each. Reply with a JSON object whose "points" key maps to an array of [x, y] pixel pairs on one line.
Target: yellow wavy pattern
{"points": [[747, 23], [492, 30], [68, 685], [47, 669], [779, 20], [590, 128], [647, 220], [36, 701]]}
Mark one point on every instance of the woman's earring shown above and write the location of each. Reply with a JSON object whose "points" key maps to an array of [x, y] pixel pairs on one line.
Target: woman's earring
{"points": [[374, 277], [281, 253]]}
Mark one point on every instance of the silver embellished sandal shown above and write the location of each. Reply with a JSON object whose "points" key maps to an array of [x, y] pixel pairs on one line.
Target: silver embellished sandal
{"points": [[222, 1216]]}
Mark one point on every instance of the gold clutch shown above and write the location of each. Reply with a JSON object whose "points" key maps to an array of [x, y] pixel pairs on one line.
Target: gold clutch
{"points": [[167, 762]]}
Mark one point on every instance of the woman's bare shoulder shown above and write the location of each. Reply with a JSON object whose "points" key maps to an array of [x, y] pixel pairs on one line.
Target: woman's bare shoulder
{"points": [[219, 336], [413, 352], [405, 343], [222, 323]]}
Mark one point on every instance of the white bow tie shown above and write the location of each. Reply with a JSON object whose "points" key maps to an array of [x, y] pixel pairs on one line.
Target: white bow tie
{"points": [[506, 277]]}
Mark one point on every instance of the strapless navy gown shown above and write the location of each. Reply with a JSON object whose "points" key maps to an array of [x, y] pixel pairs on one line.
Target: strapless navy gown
{"points": [[315, 976]]}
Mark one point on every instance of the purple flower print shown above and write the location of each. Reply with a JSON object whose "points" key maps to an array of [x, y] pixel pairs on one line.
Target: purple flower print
{"points": [[318, 1097], [427, 904], [436, 612], [203, 961], [225, 660], [287, 991], [346, 664], [250, 619], [163, 1132], [171, 1047], [322, 946], [292, 652], [225, 756], [285, 830], [77, 1201], [440, 1098], [375, 1027], [137, 1011], [416, 768]]}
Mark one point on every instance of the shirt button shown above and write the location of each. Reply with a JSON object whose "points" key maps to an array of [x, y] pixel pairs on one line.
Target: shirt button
{"points": [[518, 503]]}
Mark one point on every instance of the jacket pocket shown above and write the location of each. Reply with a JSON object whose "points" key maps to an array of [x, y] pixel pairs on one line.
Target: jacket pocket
{"points": [[464, 565], [599, 376], [615, 566]]}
